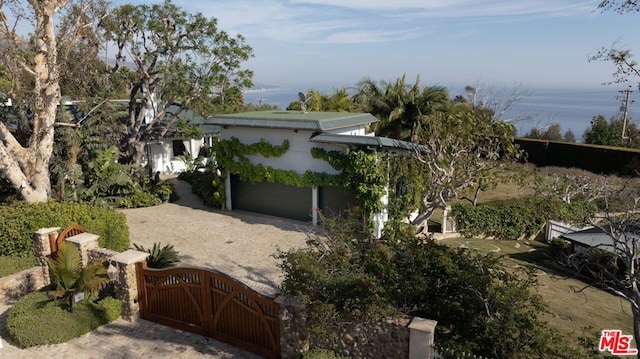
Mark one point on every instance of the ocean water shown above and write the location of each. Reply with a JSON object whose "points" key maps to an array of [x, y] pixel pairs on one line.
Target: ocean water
{"points": [[572, 108]]}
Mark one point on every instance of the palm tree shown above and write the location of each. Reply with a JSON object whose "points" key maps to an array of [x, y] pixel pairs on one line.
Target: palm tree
{"points": [[400, 107], [72, 278]]}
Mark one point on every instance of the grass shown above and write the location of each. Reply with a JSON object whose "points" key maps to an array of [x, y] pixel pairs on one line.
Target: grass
{"points": [[572, 303], [14, 264], [37, 320]]}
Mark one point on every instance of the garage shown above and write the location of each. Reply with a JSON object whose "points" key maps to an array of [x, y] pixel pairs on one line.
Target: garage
{"points": [[275, 199], [332, 201]]}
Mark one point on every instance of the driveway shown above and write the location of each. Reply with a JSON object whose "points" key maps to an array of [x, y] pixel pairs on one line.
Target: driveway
{"points": [[239, 244]]}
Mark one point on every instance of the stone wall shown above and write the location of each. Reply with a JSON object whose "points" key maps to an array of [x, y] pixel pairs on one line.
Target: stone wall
{"points": [[400, 337], [15, 286], [122, 269]]}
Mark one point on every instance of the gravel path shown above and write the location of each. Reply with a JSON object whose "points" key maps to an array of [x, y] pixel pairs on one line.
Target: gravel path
{"points": [[240, 244]]}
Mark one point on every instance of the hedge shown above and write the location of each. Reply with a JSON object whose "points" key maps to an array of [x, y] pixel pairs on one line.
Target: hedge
{"points": [[36, 320], [20, 220], [516, 219]]}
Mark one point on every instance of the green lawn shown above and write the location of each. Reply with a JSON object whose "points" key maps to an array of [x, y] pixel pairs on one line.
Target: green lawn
{"points": [[572, 304], [10, 264]]}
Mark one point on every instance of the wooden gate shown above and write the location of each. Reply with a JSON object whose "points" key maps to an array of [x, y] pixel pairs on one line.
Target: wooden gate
{"points": [[212, 304], [70, 231]]}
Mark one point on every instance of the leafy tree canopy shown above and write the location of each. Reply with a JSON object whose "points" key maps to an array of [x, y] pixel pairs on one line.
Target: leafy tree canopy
{"points": [[179, 60]]}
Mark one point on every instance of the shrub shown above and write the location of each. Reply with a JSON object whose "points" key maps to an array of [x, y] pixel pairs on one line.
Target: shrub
{"points": [[317, 353], [164, 257], [37, 320], [20, 220], [481, 306], [559, 250], [137, 200], [514, 219], [207, 185]]}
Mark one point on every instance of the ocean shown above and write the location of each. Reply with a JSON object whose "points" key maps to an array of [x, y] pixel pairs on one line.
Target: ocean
{"points": [[572, 108]]}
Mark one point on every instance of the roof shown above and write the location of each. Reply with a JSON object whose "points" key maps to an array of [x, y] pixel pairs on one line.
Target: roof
{"points": [[294, 120], [369, 141], [593, 237]]}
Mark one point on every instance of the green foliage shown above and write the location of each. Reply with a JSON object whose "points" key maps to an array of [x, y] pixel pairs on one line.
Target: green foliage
{"points": [[14, 264], [320, 354], [36, 320], [70, 277], [361, 172], [515, 219], [208, 185], [106, 179], [21, 220], [164, 188], [187, 59], [481, 306], [559, 250], [137, 200], [609, 133], [160, 257]]}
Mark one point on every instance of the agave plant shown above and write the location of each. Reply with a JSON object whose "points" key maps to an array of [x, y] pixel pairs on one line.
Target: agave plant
{"points": [[160, 257], [72, 278]]}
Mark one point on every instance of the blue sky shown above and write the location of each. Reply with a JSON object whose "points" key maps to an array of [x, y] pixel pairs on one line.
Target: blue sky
{"points": [[447, 42]]}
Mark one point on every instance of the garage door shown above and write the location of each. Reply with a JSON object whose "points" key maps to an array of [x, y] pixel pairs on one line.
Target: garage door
{"points": [[333, 201], [274, 199]]}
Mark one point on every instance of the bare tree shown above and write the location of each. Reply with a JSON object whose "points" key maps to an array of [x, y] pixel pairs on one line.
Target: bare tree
{"points": [[570, 183], [614, 263], [26, 165], [461, 151]]}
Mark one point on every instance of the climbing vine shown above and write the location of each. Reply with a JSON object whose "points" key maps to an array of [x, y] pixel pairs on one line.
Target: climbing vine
{"points": [[361, 174]]}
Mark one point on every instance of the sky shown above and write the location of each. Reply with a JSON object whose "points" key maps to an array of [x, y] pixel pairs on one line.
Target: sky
{"points": [[445, 42]]}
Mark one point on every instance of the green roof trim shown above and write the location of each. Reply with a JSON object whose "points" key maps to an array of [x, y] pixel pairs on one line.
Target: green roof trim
{"points": [[369, 141], [294, 120]]}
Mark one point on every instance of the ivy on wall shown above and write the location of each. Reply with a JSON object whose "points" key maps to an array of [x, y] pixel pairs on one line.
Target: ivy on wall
{"points": [[360, 174]]}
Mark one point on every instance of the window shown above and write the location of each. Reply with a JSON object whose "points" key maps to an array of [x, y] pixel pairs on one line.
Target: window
{"points": [[178, 148]]}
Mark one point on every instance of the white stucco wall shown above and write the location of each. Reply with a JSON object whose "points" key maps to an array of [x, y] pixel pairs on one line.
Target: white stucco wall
{"points": [[352, 131], [297, 158], [162, 158]]}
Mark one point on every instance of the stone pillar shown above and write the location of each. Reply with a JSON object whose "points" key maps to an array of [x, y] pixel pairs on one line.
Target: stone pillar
{"points": [[421, 338], [126, 286], [42, 249], [294, 338], [83, 243], [448, 223]]}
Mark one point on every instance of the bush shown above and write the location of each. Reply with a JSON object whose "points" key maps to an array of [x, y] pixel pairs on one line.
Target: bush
{"points": [[20, 220], [37, 320], [515, 219], [137, 200], [559, 249], [481, 306], [207, 185], [317, 353], [160, 257]]}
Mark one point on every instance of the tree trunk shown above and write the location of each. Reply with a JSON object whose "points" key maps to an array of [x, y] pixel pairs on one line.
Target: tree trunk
{"points": [[27, 168]]}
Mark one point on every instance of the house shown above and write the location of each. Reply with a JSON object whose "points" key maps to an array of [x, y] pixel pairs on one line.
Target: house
{"points": [[164, 154], [302, 132]]}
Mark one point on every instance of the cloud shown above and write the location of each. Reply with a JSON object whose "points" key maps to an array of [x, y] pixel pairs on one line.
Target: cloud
{"points": [[365, 21]]}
